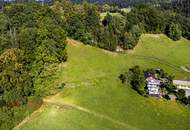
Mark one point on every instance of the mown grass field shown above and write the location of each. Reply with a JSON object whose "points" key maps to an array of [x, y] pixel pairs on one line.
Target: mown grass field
{"points": [[95, 99]]}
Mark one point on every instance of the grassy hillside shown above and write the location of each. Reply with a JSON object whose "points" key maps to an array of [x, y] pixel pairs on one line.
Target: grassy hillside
{"points": [[162, 50], [95, 99]]}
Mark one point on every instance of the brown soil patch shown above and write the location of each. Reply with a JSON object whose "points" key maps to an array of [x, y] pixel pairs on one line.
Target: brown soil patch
{"points": [[153, 35], [73, 42]]}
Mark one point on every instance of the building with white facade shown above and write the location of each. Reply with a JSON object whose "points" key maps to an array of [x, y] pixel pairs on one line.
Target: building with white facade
{"points": [[153, 86]]}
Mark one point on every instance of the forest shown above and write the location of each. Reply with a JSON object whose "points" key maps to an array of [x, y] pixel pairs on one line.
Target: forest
{"points": [[179, 6], [123, 30], [123, 3], [33, 38]]}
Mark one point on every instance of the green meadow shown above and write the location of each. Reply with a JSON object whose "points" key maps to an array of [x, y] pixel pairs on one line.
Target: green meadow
{"points": [[95, 99]]}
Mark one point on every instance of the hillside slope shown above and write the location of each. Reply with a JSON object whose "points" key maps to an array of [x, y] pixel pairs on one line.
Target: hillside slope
{"points": [[95, 99]]}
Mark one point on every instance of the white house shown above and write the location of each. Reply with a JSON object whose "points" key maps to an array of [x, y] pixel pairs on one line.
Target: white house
{"points": [[185, 85], [153, 86]]}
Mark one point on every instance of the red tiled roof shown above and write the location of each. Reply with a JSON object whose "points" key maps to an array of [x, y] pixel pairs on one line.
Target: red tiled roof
{"points": [[150, 78]]}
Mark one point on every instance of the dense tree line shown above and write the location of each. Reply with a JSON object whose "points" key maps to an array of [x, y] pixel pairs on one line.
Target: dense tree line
{"points": [[179, 6], [123, 3], [32, 37], [83, 22]]}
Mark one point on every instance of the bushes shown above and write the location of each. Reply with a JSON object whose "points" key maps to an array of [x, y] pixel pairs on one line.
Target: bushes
{"points": [[132, 37], [174, 31], [15, 82], [135, 77], [180, 94], [10, 117]]}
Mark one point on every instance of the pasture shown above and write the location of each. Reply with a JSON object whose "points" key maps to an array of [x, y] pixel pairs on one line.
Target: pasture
{"points": [[95, 99]]}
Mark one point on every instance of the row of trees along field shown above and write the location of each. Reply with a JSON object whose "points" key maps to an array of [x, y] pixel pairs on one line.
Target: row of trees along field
{"points": [[85, 23], [31, 38]]}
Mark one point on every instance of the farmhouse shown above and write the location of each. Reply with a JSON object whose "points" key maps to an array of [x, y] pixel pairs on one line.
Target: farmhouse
{"points": [[185, 85], [153, 86]]}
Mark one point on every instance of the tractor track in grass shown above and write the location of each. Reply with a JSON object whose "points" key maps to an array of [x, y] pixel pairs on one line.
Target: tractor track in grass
{"points": [[161, 61], [185, 69], [88, 111], [55, 102], [30, 117]]}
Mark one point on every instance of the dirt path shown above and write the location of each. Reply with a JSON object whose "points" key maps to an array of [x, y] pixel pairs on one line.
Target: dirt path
{"points": [[54, 101], [185, 69], [80, 108], [30, 117]]}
